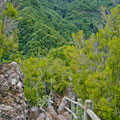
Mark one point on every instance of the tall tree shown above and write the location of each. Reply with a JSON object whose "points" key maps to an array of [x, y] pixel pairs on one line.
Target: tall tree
{"points": [[8, 33]]}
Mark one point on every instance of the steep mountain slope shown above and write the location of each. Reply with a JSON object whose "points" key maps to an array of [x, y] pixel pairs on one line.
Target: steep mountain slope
{"points": [[48, 24], [84, 14], [41, 29]]}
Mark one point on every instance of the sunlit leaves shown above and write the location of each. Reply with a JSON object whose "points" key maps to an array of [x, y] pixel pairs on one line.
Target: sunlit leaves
{"points": [[10, 10], [95, 66], [8, 37]]}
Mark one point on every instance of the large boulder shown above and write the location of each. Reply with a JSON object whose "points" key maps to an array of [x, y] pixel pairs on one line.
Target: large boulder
{"points": [[34, 113], [44, 116], [62, 106], [61, 117], [51, 111], [12, 99]]}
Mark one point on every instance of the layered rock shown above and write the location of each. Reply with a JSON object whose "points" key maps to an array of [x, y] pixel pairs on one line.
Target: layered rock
{"points": [[12, 100]]}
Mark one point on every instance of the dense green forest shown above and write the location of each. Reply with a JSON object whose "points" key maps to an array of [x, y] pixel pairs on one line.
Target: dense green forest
{"points": [[55, 20], [67, 43]]}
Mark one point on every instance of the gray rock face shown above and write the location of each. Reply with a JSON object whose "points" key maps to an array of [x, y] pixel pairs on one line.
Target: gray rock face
{"points": [[51, 111], [62, 106], [42, 116], [12, 100], [61, 117]]}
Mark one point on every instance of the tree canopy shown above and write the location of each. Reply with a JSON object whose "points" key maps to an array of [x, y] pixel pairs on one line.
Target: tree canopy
{"points": [[55, 20]]}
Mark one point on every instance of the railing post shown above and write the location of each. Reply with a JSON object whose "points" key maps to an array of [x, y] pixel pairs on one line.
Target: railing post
{"points": [[72, 106], [79, 102], [88, 105]]}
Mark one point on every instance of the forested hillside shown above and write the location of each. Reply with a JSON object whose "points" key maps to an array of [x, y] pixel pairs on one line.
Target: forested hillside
{"points": [[55, 20], [62, 43], [50, 30]]}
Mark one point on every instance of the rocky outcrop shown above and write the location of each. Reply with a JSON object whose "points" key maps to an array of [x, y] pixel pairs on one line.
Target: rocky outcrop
{"points": [[2, 3], [12, 100], [51, 113], [34, 113], [57, 99], [62, 106], [61, 117], [56, 111]]}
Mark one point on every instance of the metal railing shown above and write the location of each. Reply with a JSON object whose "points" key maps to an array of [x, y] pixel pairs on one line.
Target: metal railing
{"points": [[75, 105]]}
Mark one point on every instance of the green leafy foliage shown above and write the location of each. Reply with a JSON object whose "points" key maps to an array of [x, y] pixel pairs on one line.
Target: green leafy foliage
{"points": [[43, 101], [95, 67], [91, 66], [43, 75], [59, 76], [84, 14], [34, 84], [10, 10], [48, 24], [8, 40], [50, 30]]}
